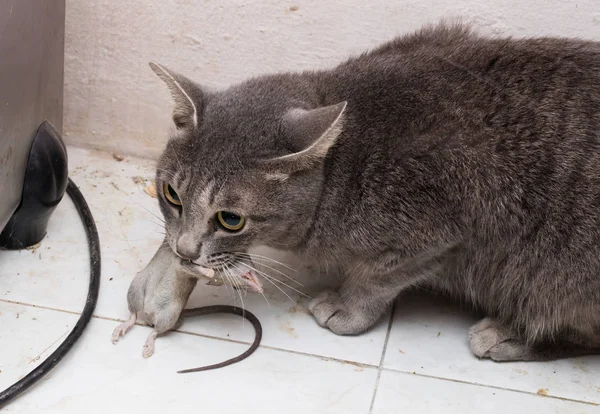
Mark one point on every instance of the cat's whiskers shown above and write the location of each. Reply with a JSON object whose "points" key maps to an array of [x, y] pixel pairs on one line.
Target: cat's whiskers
{"points": [[229, 282], [281, 273], [161, 225], [274, 279], [268, 279], [261, 292], [258, 261], [236, 283], [254, 255], [286, 285], [282, 291], [161, 219]]}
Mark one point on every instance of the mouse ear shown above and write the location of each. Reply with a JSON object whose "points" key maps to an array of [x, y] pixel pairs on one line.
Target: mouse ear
{"points": [[188, 97], [309, 134]]}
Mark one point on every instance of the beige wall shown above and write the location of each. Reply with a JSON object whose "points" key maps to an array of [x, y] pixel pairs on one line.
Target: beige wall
{"points": [[113, 101]]}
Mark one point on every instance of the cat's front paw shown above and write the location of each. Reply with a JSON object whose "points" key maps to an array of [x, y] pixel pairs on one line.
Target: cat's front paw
{"points": [[489, 339], [330, 312]]}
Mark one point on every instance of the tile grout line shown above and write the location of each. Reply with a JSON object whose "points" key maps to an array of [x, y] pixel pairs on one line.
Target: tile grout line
{"points": [[31, 305], [494, 387], [218, 338], [108, 318], [326, 358], [380, 368]]}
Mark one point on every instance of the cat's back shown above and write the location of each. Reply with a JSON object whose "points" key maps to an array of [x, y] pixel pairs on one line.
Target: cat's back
{"points": [[447, 80], [449, 113], [437, 60], [460, 44]]}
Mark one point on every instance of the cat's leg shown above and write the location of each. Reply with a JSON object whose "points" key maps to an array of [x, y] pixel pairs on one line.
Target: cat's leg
{"points": [[346, 317], [370, 289], [358, 304]]}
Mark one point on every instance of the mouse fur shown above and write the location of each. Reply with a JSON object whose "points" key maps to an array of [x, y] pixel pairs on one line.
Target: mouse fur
{"points": [[157, 295]]}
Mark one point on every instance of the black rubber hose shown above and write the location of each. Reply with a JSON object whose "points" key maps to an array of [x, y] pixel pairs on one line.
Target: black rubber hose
{"points": [[90, 304]]}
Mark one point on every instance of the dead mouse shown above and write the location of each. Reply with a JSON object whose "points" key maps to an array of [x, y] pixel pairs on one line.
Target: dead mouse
{"points": [[158, 295]]}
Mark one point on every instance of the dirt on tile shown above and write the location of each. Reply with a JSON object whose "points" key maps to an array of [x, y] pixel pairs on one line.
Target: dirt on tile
{"points": [[286, 327], [34, 247], [581, 366], [542, 392], [298, 309], [151, 190], [359, 367]]}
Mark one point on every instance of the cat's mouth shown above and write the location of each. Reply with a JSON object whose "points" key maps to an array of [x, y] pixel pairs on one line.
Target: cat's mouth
{"points": [[252, 281], [239, 276]]}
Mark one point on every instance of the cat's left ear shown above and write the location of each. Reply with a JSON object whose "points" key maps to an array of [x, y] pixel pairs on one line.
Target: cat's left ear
{"points": [[309, 134], [188, 97]]}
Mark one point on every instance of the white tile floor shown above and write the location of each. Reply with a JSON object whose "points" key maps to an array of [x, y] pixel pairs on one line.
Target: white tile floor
{"points": [[418, 363]]}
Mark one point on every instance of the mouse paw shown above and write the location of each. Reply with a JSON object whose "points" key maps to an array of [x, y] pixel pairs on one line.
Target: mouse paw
{"points": [[122, 329], [148, 348], [119, 331]]}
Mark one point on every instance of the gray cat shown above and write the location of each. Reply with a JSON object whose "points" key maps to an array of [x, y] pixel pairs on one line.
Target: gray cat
{"points": [[444, 159]]}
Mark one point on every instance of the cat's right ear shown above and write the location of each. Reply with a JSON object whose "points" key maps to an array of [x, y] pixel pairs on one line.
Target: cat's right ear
{"points": [[188, 97], [309, 134]]}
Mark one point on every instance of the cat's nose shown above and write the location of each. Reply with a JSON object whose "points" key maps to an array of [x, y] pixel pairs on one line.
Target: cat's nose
{"points": [[187, 248]]}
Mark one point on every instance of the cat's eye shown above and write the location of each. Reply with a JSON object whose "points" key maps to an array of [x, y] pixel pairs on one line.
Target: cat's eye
{"points": [[230, 221], [171, 195]]}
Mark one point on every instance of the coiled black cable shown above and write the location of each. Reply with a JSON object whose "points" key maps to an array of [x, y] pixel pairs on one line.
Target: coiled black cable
{"points": [[41, 370]]}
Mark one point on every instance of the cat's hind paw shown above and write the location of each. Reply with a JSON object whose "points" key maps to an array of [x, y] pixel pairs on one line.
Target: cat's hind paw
{"points": [[330, 312]]}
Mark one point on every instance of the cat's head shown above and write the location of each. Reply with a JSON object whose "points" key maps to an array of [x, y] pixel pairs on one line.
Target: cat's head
{"points": [[243, 168]]}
